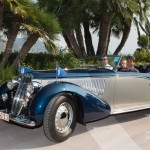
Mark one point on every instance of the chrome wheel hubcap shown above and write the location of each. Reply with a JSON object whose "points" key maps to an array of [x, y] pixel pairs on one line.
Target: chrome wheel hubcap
{"points": [[64, 117]]}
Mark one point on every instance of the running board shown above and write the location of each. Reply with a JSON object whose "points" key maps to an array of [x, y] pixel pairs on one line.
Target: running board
{"points": [[130, 108]]}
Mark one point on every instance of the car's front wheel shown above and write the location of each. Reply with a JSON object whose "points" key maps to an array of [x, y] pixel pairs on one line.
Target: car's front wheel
{"points": [[60, 118]]}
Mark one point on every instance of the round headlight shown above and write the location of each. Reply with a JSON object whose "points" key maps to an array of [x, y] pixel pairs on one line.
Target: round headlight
{"points": [[30, 88], [10, 85]]}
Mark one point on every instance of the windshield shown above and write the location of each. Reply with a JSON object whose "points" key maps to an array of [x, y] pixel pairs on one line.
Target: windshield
{"points": [[109, 62]]}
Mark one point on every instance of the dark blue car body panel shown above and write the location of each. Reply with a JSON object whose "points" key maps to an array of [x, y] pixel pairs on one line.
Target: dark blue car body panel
{"points": [[93, 107]]}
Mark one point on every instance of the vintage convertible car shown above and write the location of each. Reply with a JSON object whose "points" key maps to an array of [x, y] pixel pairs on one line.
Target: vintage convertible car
{"points": [[59, 99]]}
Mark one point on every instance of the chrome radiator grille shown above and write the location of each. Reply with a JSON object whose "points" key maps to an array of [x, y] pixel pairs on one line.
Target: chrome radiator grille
{"points": [[19, 97]]}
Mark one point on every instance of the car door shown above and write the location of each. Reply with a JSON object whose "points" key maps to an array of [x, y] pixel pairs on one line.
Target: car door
{"points": [[132, 89]]}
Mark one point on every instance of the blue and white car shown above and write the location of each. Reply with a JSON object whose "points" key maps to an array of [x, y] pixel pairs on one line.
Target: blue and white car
{"points": [[59, 99]]}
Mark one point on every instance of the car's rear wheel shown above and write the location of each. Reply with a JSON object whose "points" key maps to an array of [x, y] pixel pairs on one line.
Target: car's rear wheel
{"points": [[60, 118]]}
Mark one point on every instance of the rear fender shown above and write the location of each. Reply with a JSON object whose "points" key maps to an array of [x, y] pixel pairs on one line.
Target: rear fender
{"points": [[93, 107]]}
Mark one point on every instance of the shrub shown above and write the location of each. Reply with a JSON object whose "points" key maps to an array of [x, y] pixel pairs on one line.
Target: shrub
{"points": [[7, 73], [142, 56]]}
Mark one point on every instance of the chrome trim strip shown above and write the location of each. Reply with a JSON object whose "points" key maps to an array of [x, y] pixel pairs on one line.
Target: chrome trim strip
{"points": [[95, 85]]}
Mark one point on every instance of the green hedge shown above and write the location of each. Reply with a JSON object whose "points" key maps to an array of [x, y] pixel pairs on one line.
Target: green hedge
{"points": [[8, 73], [142, 57], [44, 61]]}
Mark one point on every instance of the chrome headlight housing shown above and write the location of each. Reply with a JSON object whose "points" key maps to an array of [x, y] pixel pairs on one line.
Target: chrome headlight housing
{"points": [[10, 85], [30, 88], [33, 87]]}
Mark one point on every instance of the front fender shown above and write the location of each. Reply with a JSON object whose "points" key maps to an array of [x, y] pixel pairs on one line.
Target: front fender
{"points": [[94, 108]]}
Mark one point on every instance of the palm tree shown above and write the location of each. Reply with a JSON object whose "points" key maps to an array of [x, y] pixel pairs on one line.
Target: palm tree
{"points": [[70, 22], [130, 9], [46, 28], [67, 14], [99, 15], [18, 13], [142, 22], [126, 31], [105, 25], [146, 29], [2, 3], [111, 10], [79, 38], [88, 38], [138, 8], [1, 13]]}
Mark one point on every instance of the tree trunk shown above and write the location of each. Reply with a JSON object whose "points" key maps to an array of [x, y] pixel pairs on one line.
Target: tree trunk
{"points": [[67, 40], [1, 14], [108, 41], [72, 39], [137, 26], [88, 39], [125, 36], [80, 41], [25, 48], [10, 42], [105, 26]]}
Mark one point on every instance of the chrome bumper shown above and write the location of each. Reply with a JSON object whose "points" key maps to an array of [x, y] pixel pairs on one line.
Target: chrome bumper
{"points": [[22, 121]]}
